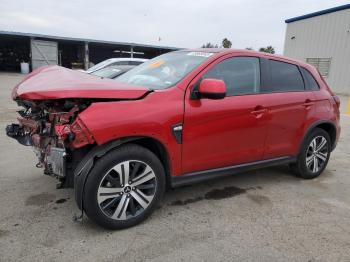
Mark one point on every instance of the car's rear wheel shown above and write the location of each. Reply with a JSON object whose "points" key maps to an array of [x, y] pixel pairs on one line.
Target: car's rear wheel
{"points": [[124, 187], [314, 154]]}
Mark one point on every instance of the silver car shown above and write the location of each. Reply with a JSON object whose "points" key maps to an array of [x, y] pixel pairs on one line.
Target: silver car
{"points": [[116, 62]]}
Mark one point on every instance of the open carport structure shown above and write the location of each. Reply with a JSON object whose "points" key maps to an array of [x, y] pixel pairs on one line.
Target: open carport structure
{"points": [[39, 50]]}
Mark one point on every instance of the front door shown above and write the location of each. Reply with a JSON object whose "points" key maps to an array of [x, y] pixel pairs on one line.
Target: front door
{"points": [[230, 131]]}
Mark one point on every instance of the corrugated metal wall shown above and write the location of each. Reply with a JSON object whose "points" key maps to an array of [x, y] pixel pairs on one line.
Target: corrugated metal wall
{"points": [[324, 36]]}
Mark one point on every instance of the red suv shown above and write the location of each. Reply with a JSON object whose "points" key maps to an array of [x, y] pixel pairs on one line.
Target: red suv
{"points": [[180, 118]]}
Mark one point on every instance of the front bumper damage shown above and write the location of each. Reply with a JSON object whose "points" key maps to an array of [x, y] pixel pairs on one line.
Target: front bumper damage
{"points": [[56, 161], [55, 156], [17, 132]]}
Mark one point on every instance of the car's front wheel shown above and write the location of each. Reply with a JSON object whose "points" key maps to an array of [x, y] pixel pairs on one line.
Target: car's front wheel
{"points": [[314, 154], [124, 187]]}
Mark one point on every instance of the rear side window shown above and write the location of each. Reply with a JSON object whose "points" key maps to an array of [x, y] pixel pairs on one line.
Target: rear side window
{"points": [[134, 62], [120, 63], [240, 74], [285, 77], [310, 82]]}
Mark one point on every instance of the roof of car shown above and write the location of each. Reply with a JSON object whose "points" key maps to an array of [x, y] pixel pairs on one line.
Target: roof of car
{"points": [[223, 51], [120, 67], [128, 59]]}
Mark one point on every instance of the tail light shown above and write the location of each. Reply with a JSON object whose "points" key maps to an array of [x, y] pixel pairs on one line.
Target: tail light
{"points": [[336, 100]]}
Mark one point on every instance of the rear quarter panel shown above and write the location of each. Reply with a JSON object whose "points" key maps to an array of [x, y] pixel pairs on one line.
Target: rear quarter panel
{"points": [[325, 107]]}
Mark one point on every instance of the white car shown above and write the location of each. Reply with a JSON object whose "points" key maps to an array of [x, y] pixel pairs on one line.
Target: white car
{"points": [[116, 62]]}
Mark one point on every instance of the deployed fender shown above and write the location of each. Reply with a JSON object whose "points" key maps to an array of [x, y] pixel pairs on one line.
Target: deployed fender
{"points": [[84, 167]]}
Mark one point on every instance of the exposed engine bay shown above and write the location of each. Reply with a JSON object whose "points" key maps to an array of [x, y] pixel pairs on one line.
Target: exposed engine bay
{"points": [[55, 131], [52, 98]]}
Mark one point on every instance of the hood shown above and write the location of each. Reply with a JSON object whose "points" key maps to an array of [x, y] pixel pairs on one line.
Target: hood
{"points": [[56, 82]]}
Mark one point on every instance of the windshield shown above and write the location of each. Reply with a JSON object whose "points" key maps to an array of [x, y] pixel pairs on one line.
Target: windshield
{"points": [[99, 65], [111, 71], [165, 70], [107, 72]]}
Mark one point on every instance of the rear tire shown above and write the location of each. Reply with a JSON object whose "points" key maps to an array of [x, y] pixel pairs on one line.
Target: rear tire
{"points": [[124, 187], [314, 154]]}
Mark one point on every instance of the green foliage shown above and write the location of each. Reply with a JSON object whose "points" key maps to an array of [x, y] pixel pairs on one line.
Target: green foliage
{"points": [[268, 49], [226, 43], [209, 45]]}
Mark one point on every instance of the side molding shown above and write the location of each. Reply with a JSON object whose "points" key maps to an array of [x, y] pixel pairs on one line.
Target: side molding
{"points": [[200, 176]]}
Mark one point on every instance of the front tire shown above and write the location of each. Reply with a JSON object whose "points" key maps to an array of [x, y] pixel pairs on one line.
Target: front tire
{"points": [[124, 187], [314, 155]]}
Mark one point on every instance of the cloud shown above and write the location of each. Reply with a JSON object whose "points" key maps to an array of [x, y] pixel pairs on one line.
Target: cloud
{"points": [[181, 23], [20, 19]]}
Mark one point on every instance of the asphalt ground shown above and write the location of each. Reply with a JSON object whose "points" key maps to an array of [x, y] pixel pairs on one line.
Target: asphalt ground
{"points": [[262, 215]]}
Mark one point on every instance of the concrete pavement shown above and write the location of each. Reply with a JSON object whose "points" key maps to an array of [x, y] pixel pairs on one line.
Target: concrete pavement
{"points": [[263, 215]]}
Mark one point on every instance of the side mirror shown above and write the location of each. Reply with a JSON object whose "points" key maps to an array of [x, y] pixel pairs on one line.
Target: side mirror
{"points": [[212, 89]]}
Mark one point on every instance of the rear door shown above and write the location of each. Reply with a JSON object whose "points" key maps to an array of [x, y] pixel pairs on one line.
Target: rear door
{"points": [[290, 107], [230, 131]]}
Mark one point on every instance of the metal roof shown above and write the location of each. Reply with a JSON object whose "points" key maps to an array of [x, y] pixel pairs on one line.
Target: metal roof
{"points": [[323, 12], [84, 40]]}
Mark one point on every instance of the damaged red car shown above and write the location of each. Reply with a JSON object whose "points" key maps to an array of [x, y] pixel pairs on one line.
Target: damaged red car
{"points": [[180, 118]]}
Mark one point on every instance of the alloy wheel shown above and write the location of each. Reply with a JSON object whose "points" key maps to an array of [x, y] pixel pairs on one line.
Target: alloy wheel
{"points": [[127, 190], [316, 154]]}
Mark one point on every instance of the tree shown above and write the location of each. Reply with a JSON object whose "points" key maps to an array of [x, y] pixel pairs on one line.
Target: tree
{"points": [[226, 43], [209, 45], [268, 49]]}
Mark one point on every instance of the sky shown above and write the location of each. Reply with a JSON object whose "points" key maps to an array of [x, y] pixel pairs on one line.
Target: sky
{"points": [[185, 24]]}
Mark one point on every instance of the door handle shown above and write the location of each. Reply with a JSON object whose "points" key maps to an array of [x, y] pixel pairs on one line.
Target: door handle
{"points": [[308, 103], [258, 111]]}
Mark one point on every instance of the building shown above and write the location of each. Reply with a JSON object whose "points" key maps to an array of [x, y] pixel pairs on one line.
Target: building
{"points": [[323, 40], [39, 50]]}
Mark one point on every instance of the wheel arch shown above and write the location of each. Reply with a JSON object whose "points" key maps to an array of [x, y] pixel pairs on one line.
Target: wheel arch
{"points": [[159, 149], [327, 126], [84, 167]]}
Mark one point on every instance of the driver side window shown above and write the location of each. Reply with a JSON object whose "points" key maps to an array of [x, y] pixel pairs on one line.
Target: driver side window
{"points": [[240, 74]]}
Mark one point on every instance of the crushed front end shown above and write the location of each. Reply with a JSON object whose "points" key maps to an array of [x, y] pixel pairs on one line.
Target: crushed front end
{"points": [[56, 133]]}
